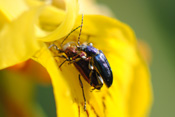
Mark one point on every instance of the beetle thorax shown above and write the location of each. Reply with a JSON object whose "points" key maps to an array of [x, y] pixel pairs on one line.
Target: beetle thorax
{"points": [[69, 44], [70, 49]]}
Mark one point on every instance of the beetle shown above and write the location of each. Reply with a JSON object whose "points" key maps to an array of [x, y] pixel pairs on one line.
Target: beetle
{"points": [[98, 62], [97, 59], [89, 61], [81, 62]]}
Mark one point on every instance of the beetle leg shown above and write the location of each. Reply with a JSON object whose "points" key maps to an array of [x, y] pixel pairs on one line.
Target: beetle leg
{"points": [[76, 58], [73, 61], [55, 47], [51, 46], [100, 81], [99, 84], [90, 77], [91, 67], [81, 84], [61, 56], [67, 59], [86, 58]]}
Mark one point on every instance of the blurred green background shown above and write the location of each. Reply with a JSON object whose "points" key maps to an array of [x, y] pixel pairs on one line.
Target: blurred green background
{"points": [[154, 22]]}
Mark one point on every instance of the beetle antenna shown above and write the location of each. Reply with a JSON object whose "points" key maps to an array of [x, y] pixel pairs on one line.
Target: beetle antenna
{"points": [[69, 34], [73, 31], [80, 30]]}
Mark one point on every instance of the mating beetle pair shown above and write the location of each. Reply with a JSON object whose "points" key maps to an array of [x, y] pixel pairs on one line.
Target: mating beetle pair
{"points": [[89, 61]]}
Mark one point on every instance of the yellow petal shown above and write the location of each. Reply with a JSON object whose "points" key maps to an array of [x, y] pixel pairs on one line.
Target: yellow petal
{"points": [[11, 9], [3, 19], [51, 17], [140, 91], [36, 3], [102, 26], [17, 40], [132, 76], [66, 26], [61, 90], [118, 43]]}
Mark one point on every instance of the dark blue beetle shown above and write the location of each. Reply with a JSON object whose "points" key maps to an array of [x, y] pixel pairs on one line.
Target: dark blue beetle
{"points": [[98, 62]]}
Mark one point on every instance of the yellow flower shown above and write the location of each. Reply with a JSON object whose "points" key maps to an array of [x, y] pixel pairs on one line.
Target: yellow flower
{"points": [[28, 28]]}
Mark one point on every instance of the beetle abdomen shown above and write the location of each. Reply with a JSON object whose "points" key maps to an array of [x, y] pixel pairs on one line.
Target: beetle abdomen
{"points": [[103, 67], [82, 67]]}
